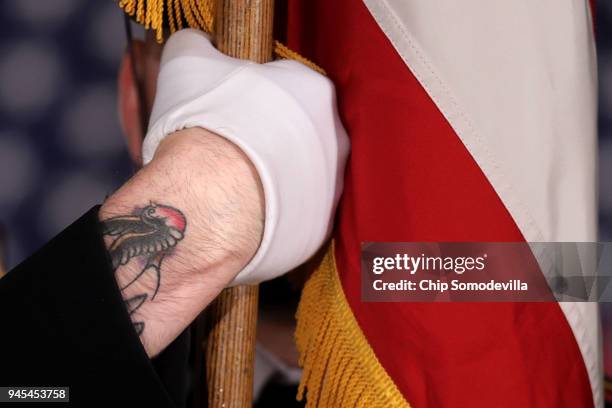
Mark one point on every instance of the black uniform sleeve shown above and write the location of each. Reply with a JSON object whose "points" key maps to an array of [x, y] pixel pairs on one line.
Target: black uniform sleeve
{"points": [[63, 323]]}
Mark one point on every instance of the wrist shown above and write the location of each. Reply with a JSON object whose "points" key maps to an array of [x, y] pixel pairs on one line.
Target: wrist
{"points": [[209, 178], [208, 197]]}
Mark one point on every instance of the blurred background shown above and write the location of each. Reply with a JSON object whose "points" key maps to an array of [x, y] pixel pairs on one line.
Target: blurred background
{"points": [[61, 149]]}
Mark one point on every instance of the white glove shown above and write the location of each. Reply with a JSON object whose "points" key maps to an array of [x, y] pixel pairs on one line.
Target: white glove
{"points": [[283, 116]]}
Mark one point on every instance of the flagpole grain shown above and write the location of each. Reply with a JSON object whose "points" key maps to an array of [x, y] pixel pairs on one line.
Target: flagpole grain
{"points": [[243, 29]]}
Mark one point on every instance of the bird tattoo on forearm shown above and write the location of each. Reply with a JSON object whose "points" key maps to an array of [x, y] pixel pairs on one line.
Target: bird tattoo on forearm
{"points": [[150, 233]]}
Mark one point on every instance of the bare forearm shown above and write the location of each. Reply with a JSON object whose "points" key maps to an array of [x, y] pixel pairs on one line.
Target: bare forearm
{"points": [[180, 230]]}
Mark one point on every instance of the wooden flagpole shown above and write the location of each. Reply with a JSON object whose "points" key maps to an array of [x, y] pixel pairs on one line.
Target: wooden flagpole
{"points": [[243, 29]]}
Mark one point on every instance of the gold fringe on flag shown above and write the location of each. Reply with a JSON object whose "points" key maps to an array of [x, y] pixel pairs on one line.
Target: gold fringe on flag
{"points": [[197, 14], [340, 367]]}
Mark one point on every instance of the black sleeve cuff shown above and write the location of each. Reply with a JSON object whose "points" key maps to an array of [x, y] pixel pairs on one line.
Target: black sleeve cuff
{"points": [[63, 323]]}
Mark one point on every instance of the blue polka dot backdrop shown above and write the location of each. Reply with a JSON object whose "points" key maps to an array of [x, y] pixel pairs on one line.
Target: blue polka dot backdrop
{"points": [[61, 148]]}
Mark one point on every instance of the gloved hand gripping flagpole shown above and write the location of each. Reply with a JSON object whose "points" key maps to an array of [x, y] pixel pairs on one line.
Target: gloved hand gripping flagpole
{"points": [[243, 29]]}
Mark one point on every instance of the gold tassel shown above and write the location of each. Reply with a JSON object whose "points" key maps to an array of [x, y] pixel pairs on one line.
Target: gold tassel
{"points": [[340, 367], [198, 14]]}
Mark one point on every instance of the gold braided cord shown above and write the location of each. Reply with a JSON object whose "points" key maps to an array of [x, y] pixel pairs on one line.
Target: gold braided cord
{"points": [[179, 20], [340, 367], [171, 16], [149, 13], [140, 14], [205, 7], [282, 51], [197, 14], [191, 22]]}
